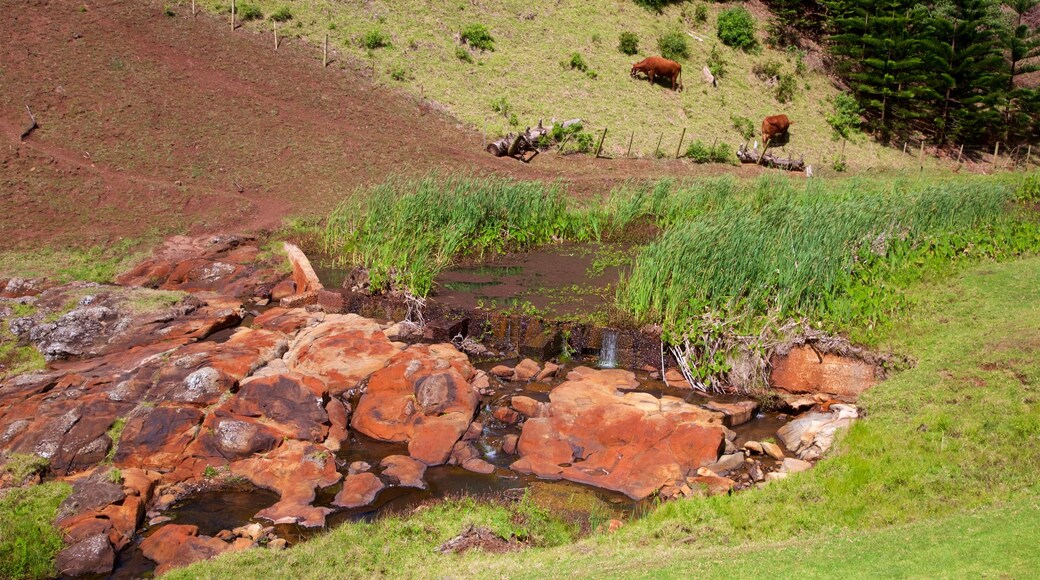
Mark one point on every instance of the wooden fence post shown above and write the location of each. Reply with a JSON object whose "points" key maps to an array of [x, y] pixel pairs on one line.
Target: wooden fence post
{"points": [[193, 7], [325, 52], [599, 147], [959, 153], [920, 157], [681, 138], [904, 147], [630, 137], [232, 14], [275, 26], [1029, 152], [657, 151], [996, 151]]}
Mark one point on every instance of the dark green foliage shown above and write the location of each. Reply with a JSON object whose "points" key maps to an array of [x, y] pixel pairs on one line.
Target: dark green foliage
{"points": [[701, 153], [246, 11], [845, 120], [673, 45], [736, 28], [655, 5], [399, 73], [462, 54], [478, 36], [743, 125], [716, 62], [584, 142], [577, 62], [282, 14], [786, 88], [766, 70], [700, 14], [628, 43], [374, 39]]}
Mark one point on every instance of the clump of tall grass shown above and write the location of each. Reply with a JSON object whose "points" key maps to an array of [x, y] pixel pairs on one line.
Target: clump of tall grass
{"points": [[822, 250], [406, 231]]}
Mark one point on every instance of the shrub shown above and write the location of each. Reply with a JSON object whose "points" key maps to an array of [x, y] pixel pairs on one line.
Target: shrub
{"points": [[478, 36], [716, 63], [766, 70], [698, 152], [743, 125], [628, 43], [845, 120], [399, 73], [501, 105], [786, 88], [374, 39], [282, 14], [700, 14], [736, 28], [246, 11], [584, 141], [672, 44], [577, 62], [462, 54], [655, 5]]}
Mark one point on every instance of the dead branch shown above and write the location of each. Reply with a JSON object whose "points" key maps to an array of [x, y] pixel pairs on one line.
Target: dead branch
{"points": [[32, 124]]}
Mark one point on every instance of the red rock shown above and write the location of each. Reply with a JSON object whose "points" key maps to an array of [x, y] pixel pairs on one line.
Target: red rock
{"points": [[710, 485], [434, 437], [289, 403], [299, 300], [303, 274], [509, 443], [803, 370], [287, 321], [156, 438], [502, 372], [283, 289], [422, 397], [548, 372], [404, 470], [634, 443], [341, 351], [293, 470], [675, 378], [358, 490], [506, 415], [619, 379], [331, 301], [174, 546], [89, 556], [736, 413], [477, 465], [474, 431], [526, 406], [526, 370]]}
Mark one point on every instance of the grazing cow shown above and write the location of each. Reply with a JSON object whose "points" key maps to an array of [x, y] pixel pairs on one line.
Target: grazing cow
{"points": [[775, 128], [656, 66]]}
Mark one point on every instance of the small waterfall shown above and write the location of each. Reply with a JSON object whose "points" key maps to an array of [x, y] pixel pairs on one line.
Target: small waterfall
{"points": [[608, 352]]}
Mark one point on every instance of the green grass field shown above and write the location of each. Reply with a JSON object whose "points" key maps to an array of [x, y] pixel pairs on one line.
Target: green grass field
{"points": [[940, 479], [529, 68]]}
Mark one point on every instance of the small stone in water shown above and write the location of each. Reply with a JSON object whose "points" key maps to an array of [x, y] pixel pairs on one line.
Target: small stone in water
{"points": [[358, 467]]}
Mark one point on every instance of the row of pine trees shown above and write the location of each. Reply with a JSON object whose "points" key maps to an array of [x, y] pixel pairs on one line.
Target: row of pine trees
{"points": [[952, 71]]}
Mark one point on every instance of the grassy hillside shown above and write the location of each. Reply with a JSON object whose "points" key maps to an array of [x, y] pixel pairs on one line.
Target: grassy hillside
{"points": [[938, 480], [529, 68]]}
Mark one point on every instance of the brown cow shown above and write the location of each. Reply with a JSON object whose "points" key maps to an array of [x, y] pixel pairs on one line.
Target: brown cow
{"points": [[775, 128], [656, 66]]}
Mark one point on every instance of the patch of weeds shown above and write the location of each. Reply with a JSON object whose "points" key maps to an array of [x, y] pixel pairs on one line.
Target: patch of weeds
{"points": [[116, 64], [115, 475], [700, 14], [478, 36], [716, 63], [786, 88], [743, 125], [146, 300], [766, 71], [399, 73], [247, 12], [577, 62], [29, 541], [22, 466], [502, 106], [839, 165], [375, 38], [673, 45], [114, 433], [701, 153], [210, 472], [514, 121], [628, 43], [282, 14], [462, 54], [736, 28]]}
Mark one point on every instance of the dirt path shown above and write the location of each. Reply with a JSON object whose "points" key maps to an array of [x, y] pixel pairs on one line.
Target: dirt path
{"points": [[152, 124]]}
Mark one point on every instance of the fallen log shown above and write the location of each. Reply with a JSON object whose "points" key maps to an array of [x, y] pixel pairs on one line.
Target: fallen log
{"points": [[517, 146], [768, 159]]}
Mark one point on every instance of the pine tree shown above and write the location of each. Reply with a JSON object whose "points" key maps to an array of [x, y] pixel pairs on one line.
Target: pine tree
{"points": [[1022, 105]]}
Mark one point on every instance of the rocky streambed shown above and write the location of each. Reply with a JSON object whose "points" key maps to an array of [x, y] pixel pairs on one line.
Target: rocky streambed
{"points": [[156, 405]]}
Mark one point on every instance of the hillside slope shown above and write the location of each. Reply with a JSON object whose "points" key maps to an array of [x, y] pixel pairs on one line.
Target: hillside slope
{"points": [[529, 68]]}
